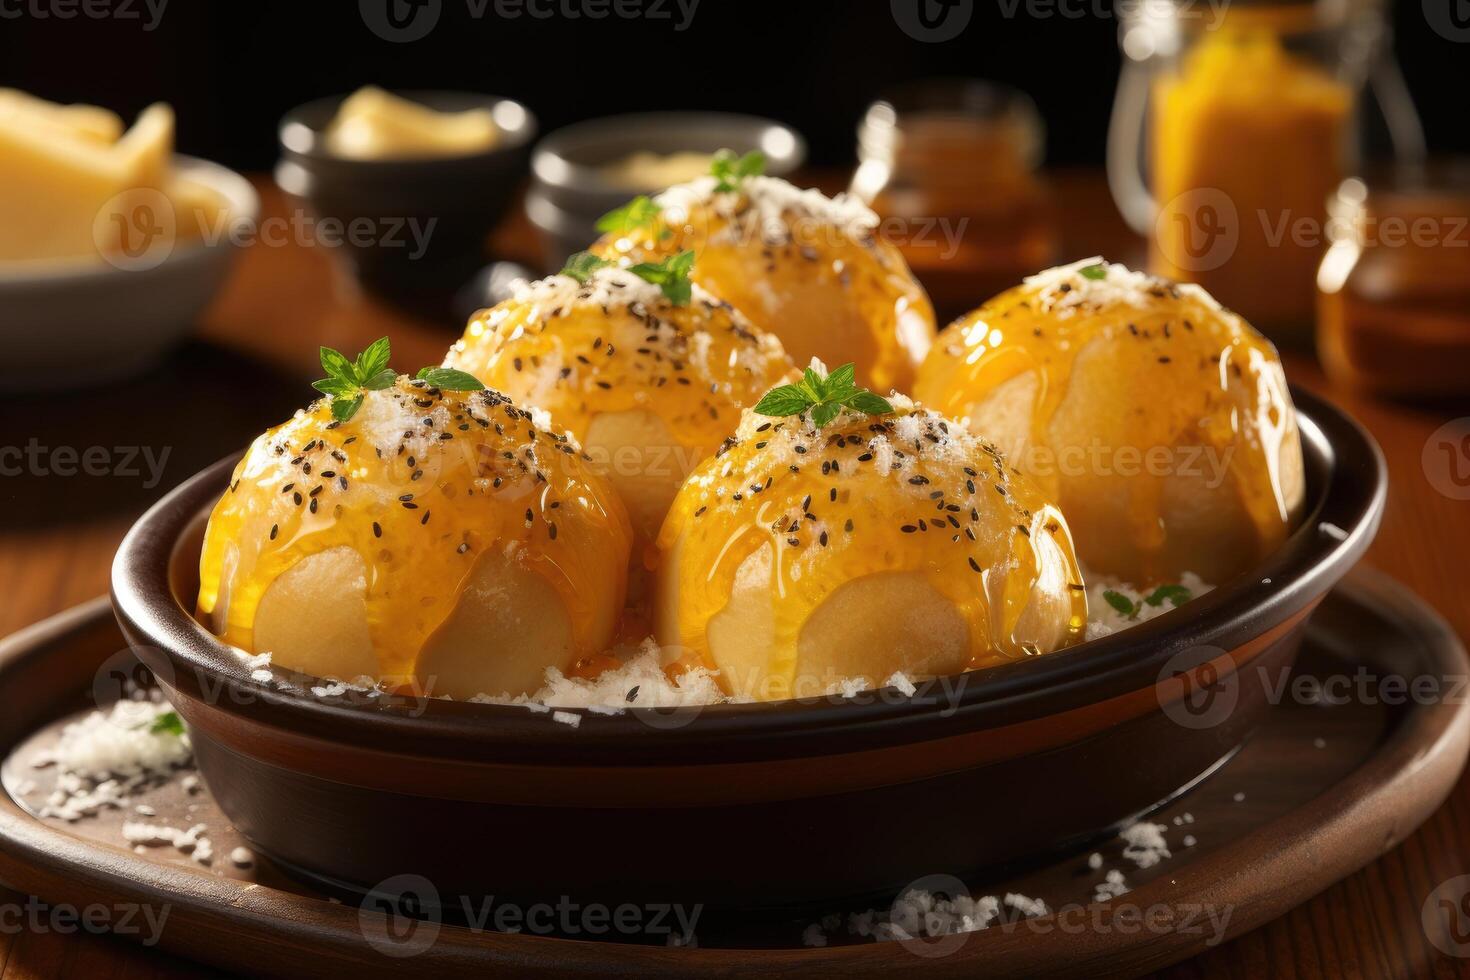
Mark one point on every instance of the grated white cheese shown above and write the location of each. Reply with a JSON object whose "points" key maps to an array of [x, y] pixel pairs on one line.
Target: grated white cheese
{"points": [[919, 914], [607, 286], [1103, 619], [1064, 290], [1112, 886], [776, 208], [640, 682], [1145, 844], [103, 759], [191, 841]]}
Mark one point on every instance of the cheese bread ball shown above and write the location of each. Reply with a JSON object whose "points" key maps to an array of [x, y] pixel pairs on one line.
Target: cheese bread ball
{"points": [[437, 540], [1159, 421], [800, 557], [648, 386], [808, 268]]}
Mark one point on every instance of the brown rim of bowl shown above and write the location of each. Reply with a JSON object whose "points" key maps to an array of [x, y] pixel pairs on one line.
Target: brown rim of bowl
{"points": [[1346, 486]]}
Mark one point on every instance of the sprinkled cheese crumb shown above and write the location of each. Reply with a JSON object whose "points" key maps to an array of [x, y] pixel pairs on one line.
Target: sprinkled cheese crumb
{"points": [[775, 205], [1095, 861], [567, 718], [1112, 886], [191, 841], [640, 682], [606, 286], [1145, 843], [1064, 290], [901, 681], [103, 759]]}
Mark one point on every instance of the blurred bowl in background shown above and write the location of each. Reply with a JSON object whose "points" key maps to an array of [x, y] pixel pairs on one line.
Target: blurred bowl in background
{"points": [[423, 221], [583, 171], [75, 322]]}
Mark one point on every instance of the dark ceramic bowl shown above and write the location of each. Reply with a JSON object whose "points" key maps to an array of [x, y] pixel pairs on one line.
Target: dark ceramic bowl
{"points": [[570, 191], [463, 196], [792, 803]]}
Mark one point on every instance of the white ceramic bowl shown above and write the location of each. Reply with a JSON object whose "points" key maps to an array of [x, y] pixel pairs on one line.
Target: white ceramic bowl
{"points": [[84, 321]]}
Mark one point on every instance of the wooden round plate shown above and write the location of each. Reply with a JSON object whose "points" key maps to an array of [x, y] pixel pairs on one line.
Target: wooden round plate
{"points": [[1345, 767]]}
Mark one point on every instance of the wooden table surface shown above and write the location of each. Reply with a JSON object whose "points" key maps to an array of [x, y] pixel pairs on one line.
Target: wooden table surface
{"points": [[251, 365]]}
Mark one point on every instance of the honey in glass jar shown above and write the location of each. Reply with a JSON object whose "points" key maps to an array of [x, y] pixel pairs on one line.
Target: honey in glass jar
{"points": [[950, 165], [1394, 288]]}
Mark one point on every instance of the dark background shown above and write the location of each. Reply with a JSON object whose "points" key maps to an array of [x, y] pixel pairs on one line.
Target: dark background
{"points": [[232, 67]]}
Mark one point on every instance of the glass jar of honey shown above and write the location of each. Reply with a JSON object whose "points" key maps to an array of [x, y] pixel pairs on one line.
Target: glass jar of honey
{"points": [[1394, 286], [950, 167], [1233, 126]]}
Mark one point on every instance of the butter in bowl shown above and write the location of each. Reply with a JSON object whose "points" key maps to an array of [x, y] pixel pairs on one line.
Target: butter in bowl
{"points": [[418, 179], [110, 243]]}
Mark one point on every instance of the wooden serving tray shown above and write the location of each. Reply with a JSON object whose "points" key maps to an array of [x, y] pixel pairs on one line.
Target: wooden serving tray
{"points": [[1322, 789]]}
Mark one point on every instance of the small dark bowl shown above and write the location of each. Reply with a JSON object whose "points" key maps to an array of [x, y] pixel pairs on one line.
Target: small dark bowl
{"points": [[464, 196], [569, 190], [793, 803]]}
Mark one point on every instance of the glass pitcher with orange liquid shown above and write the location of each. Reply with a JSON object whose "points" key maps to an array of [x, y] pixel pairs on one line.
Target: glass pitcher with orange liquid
{"points": [[1234, 123]]}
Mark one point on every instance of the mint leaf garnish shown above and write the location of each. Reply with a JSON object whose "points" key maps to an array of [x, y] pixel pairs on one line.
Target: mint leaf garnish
{"points": [[346, 380], [450, 379], [1176, 595], [168, 723], [825, 397], [729, 170], [1124, 605], [581, 265], [671, 276], [638, 213]]}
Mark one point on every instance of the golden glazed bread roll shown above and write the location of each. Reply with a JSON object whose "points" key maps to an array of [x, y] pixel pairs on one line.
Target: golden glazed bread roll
{"points": [[1160, 422], [805, 555], [648, 384], [808, 268], [441, 540]]}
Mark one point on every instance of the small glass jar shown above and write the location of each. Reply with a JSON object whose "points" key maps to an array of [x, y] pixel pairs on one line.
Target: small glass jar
{"points": [[950, 167], [1231, 129], [1393, 306]]}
